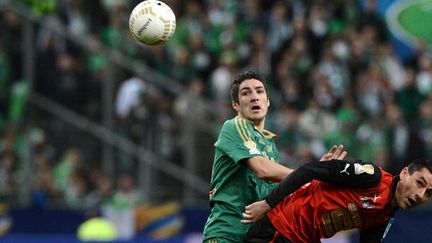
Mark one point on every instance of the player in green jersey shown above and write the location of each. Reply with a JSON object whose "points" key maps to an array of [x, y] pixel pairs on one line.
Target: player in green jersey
{"points": [[246, 162]]}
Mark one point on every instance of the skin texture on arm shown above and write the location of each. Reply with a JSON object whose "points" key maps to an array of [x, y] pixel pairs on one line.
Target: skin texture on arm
{"points": [[268, 170]]}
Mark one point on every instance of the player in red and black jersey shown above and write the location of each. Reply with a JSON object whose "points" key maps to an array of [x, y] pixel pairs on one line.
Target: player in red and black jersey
{"points": [[319, 199]]}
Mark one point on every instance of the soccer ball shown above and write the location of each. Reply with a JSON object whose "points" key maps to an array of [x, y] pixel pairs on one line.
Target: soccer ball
{"points": [[152, 22]]}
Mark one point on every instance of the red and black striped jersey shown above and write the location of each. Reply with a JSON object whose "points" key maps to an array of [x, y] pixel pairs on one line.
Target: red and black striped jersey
{"points": [[338, 195]]}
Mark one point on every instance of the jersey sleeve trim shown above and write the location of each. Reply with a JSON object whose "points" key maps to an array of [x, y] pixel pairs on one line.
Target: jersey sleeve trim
{"points": [[241, 126]]}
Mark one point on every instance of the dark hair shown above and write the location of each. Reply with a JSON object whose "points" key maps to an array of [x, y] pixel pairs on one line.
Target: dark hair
{"points": [[235, 86], [417, 165]]}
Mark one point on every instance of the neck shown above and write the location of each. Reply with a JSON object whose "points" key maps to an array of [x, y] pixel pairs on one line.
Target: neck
{"points": [[259, 125], [394, 187]]}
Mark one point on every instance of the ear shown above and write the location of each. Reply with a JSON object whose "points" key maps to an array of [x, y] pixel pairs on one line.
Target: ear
{"points": [[268, 102], [404, 173], [235, 105]]}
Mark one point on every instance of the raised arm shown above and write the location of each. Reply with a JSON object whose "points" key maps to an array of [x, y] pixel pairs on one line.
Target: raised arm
{"points": [[352, 174]]}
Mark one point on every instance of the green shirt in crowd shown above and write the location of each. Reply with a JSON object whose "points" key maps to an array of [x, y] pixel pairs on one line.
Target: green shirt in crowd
{"points": [[233, 183]]}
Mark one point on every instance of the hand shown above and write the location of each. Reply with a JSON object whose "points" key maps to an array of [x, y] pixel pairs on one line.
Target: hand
{"points": [[255, 211], [336, 152]]}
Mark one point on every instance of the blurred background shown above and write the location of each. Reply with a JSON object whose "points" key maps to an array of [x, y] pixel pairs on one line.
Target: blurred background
{"points": [[101, 134]]}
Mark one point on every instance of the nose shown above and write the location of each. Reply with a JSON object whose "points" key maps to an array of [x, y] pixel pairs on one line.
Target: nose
{"points": [[421, 195], [254, 95]]}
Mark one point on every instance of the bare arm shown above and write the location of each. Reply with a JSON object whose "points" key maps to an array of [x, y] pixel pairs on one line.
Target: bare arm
{"points": [[269, 170]]}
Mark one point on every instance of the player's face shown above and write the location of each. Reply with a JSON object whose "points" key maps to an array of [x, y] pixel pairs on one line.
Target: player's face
{"points": [[253, 101], [413, 190]]}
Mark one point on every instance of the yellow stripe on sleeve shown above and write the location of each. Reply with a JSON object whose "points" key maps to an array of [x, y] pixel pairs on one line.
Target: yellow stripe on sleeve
{"points": [[248, 136], [236, 121], [242, 129]]}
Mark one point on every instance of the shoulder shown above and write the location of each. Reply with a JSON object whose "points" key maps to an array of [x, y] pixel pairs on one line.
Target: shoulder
{"points": [[238, 125], [237, 121], [387, 178]]}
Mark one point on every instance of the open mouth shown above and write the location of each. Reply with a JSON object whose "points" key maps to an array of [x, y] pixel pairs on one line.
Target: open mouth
{"points": [[411, 202], [256, 107]]}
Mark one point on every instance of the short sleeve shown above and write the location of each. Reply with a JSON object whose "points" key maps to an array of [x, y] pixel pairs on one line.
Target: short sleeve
{"points": [[235, 140]]}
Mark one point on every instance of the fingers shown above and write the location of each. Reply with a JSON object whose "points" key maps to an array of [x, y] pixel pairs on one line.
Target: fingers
{"points": [[340, 153], [343, 155], [332, 150], [329, 154], [336, 152], [247, 218], [246, 221], [339, 150]]}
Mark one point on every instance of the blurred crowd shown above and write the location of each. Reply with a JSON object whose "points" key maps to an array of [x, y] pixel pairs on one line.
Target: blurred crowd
{"points": [[333, 73]]}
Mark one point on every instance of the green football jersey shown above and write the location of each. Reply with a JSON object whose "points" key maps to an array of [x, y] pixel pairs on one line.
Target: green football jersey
{"points": [[233, 184]]}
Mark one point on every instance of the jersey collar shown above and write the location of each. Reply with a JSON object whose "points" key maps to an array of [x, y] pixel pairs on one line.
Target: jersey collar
{"points": [[266, 133]]}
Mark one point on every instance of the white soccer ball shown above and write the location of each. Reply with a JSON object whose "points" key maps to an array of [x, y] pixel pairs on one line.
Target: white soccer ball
{"points": [[152, 22]]}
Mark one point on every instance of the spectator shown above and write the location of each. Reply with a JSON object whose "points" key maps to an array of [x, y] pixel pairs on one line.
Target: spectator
{"points": [[315, 54]]}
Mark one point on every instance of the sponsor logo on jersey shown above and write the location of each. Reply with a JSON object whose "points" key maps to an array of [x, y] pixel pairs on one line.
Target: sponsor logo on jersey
{"points": [[360, 169], [367, 202], [251, 145]]}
